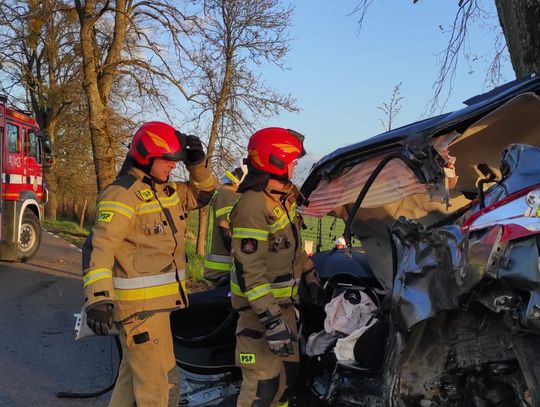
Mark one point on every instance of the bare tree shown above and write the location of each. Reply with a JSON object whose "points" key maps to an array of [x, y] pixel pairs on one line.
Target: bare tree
{"points": [[519, 29], [40, 64], [233, 38], [392, 108], [520, 22], [139, 42], [74, 163], [468, 12]]}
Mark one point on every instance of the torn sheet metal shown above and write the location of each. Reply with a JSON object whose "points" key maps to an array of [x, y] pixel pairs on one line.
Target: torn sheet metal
{"points": [[522, 272], [439, 268], [425, 282]]}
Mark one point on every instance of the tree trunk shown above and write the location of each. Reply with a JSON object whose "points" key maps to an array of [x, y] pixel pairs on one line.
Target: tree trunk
{"points": [[201, 235], [49, 175], [218, 112], [83, 212], [98, 79], [203, 213], [52, 205], [61, 206], [102, 149], [73, 216], [520, 22]]}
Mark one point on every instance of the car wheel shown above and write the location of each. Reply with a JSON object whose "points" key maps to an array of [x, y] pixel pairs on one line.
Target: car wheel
{"points": [[29, 237]]}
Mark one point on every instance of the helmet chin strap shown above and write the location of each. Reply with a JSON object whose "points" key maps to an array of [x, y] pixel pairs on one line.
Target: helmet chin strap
{"points": [[147, 168], [282, 178], [255, 180]]}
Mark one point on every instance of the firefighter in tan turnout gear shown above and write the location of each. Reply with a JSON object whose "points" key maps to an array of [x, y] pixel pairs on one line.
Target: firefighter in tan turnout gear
{"points": [[134, 260], [269, 262], [217, 259]]}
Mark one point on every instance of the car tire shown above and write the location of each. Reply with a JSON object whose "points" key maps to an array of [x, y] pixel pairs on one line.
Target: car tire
{"points": [[29, 237]]}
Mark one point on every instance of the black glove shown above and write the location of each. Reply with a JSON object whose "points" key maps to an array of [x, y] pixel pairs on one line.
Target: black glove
{"points": [[226, 237], [316, 293], [194, 150], [279, 337], [100, 318], [311, 289]]}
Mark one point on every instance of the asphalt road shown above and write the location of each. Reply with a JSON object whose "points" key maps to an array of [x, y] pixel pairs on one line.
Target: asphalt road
{"points": [[38, 352]]}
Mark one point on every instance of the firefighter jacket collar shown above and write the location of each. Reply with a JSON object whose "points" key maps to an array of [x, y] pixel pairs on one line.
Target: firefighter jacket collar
{"points": [[277, 194], [142, 176]]}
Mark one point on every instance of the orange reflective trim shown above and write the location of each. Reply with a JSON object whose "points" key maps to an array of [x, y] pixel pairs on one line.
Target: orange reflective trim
{"points": [[19, 116], [11, 195]]}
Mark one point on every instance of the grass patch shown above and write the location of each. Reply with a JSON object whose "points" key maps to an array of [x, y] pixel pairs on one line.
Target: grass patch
{"points": [[332, 228], [195, 268], [67, 229]]}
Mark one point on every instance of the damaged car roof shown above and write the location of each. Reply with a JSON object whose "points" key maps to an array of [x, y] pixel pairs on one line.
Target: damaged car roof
{"points": [[477, 106]]}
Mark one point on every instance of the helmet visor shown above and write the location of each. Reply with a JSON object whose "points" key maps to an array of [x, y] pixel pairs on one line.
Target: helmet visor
{"points": [[300, 138], [176, 156]]}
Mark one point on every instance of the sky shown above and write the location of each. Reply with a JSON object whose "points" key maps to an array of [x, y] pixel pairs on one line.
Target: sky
{"points": [[340, 76]]}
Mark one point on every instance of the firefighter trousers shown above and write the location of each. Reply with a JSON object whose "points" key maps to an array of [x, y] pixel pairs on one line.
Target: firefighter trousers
{"points": [[267, 379], [147, 375]]}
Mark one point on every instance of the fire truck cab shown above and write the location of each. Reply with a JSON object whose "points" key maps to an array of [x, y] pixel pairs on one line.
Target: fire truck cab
{"points": [[24, 151]]}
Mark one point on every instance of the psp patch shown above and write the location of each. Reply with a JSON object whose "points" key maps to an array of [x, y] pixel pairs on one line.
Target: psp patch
{"points": [[247, 358], [278, 212], [146, 194], [105, 216], [249, 246]]}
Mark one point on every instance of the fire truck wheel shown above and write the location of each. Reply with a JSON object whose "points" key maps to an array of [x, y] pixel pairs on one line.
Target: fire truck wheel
{"points": [[29, 237]]}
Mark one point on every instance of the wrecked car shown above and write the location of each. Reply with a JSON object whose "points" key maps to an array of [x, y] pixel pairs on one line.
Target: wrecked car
{"points": [[446, 299]]}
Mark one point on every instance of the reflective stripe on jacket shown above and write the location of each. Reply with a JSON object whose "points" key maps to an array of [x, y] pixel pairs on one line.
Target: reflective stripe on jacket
{"points": [[217, 259], [135, 256]]}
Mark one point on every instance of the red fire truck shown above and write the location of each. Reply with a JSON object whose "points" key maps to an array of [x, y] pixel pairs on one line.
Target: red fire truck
{"points": [[24, 151]]}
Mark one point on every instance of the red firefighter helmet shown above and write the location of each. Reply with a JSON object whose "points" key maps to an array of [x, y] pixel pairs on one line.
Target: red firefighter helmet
{"points": [[272, 149], [157, 140]]}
